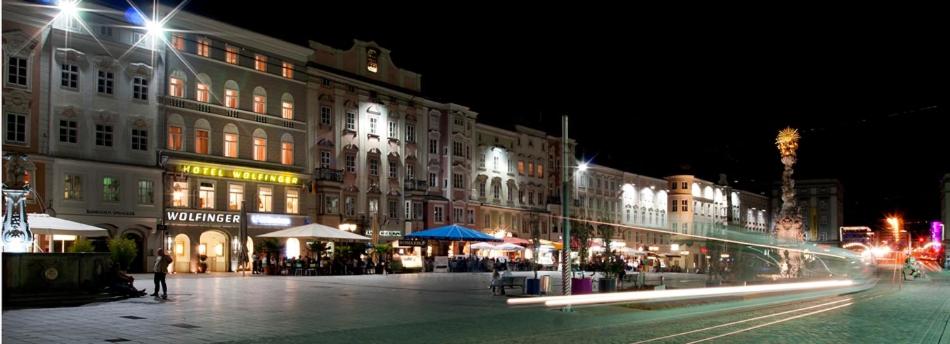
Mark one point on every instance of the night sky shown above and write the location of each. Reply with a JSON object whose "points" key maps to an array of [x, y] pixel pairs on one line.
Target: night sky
{"points": [[659, 91]]}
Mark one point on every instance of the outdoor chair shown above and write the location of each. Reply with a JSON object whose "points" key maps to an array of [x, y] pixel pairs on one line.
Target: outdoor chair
{"points": [[298, 269], [312, 270]]}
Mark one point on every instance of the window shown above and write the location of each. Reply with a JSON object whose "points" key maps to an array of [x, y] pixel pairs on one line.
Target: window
{"points": [[410, 172], [287, 70], [68, 131], [372, 125], [103, 135], [531, 170], [496, 191], [206, 195], [201, 141], [372, 60], [260, 62], [260, 149], [235, 196], [260, 104], [146, 192], [72, 188], [139, 139], [457, 181], [324, 159], [176, 87], [231, 98], [459, 121], [110, 189], [459, 215], [540, 170], [673, 205], [350, 163], [180, 194], [331, 206], [105, 31], [432, 180], [511, 194], [410, 133], [520, 167], [201, 93], [417, 210], [393, 169], [393, 208], [433, 146], [408, 212], [139, 88], [350, 121], [287, 153], [17, 71], [231, 145], [287, 110], [105, 82], [70, 76], [672, 185], [293, 201], [265, 195], [231, 54], [471, 216], [481, 189], [457, 148], [204, 47], [684, 205], [438, 213], [325, 115], [373, 167], [174, 138], [393, 130], [178, 41], [349, 206], [326, 82], [138, 38], [684, 186]]}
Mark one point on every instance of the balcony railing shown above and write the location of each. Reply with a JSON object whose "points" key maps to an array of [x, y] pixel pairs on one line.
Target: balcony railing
{"points": [[233, 113], [415, 185], [326, 174]]}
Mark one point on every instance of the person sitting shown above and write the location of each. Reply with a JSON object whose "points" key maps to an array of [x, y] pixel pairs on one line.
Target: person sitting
{"points": [[122, 284]]}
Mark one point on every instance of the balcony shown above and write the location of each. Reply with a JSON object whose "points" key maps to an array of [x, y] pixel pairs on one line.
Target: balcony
{"points": [[415, 185], [223, 111], [326, 174]]}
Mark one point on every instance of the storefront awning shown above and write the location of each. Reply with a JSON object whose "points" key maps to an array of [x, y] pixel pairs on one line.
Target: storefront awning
{"points": [[45, 224]]}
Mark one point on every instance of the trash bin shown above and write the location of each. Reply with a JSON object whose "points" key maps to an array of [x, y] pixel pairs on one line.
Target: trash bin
{"points": [[533, 286], [545, 284]]}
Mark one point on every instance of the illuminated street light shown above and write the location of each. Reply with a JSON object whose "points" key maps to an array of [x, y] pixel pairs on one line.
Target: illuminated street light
{"points": [[895, 224], [68, 8], [582, 167], [154, 28]]}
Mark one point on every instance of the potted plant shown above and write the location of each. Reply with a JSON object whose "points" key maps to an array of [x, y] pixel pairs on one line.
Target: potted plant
{"points": [[83, 245], [123, 251], [581, 232], [612, 269]]}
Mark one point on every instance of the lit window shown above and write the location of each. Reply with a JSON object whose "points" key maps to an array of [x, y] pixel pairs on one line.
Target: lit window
{"points": [[178, 41], [324, 159], [140, 88], [287, 153], [176, 87], [520, 167], [146, 192], [287, 70], [350, 121], [110, 189], [260, 149], [231, 55], [235, 196], [325, 115], [206, 195], [260, 104], [201, 93], [287, 110], [103, 135], [139, 139], [372, 60], [174, 138], [231, 98], [72, 187], [351, 163], [105, 82], [180, 194], [540, 170], [204, 47], [265, 195], [69, 76], [531, 171], [17, 71], [230, 145], [68, 131], [293, 201], [260, 62], [201, 141]]}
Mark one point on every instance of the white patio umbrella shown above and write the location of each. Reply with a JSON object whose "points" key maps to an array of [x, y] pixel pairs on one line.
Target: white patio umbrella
{"points": [[45, 224], [509, 247], [483, 246], [317, 231]]}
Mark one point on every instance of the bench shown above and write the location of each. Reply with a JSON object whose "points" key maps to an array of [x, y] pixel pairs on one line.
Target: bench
{"points": [[513, 281]]}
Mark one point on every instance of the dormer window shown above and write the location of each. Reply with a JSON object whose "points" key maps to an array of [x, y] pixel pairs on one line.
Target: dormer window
{"points": [[372, 60]]}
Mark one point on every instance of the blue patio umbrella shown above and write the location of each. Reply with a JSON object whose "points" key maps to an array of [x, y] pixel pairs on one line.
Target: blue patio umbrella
{"points": [[453, 233]]}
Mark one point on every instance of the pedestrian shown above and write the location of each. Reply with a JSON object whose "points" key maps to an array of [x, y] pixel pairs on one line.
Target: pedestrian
{"points": [[161, 267], [495, 282]]}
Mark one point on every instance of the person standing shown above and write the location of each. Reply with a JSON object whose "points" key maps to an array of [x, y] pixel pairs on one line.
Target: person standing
{"points": [[161, 267]]}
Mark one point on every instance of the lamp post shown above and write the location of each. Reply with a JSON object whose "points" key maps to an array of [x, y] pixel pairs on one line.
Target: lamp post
{"points": [[565, 214]]}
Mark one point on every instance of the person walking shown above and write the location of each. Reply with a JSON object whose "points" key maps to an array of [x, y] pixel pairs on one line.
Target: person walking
{"points": [[161, 267]]}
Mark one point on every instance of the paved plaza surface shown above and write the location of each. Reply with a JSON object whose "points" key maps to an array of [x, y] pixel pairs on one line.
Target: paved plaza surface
{"points": [[459, 308]]}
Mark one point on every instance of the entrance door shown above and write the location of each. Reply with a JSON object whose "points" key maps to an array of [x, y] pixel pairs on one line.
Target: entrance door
{"points": [[138, 264], [216, 249]]}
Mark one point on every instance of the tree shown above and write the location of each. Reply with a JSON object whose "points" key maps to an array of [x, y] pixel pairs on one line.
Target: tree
{"points": [[581, 231], [123, 251], [536, 241], [82, 245], [318, 247]]}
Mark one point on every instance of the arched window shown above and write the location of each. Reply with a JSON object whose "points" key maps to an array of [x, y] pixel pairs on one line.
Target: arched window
{"points": [[231, 140], [203, 88], [176, 84], [260, 145], [287, 106], [202, 136], [231, 94], [260, 100], [176, 129], [287, 149]]}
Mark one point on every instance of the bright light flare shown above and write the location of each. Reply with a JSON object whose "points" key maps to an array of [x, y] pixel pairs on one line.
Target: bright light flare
{"points": [[68, 8], [582, 167], [880, 251], [154, 28], [558, 301]]}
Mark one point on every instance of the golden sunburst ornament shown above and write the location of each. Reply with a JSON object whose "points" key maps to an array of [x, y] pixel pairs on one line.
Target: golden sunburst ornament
{"points": [[787, 141]]}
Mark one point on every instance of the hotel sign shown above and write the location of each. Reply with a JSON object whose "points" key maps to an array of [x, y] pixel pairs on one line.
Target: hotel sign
{"points": [[202, 217], [237, 173]]}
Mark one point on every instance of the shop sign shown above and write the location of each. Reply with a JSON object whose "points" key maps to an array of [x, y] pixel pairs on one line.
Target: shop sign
{"points": [[237, 173], [386, 233], [193, 216], [269, 220], [654, 248], [411, 262], [410, 242], [111, 212]]}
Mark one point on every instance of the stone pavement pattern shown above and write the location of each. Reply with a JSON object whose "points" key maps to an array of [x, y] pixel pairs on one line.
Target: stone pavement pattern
{"points": [[453, 308]]}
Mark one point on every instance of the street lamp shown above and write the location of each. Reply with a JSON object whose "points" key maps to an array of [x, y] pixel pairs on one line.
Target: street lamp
{"points": [[68, 8], [895, 223]]}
